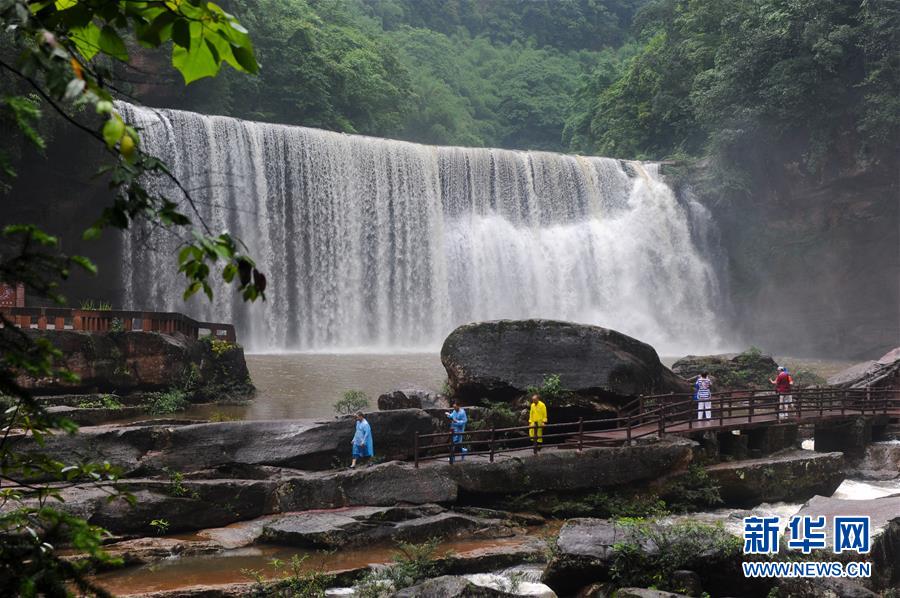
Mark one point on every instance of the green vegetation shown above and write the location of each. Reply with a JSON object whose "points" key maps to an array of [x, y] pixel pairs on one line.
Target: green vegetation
{"points": [[550, 389], [295, 579], [676, 546], [219, 347], [601, 504], [412, 564], [90, 304], [160, 525], [692, 491], [496, 414], [170, 401], [749, 83], [502, 73], [65, 58], [103, 402], [353, 401]]}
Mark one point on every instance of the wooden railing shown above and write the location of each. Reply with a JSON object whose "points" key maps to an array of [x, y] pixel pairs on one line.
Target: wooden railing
{"points": [[64, 318], [657, 415]]}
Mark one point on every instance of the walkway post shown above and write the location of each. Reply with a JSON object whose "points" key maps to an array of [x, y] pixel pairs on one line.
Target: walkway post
{"points": [[580, 433], [869, 398], [750, 412], [416, 451], [492, 443]]}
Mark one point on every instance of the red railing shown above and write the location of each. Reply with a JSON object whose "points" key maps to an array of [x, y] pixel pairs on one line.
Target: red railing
{"points": [[657, 415], [64, 318]]}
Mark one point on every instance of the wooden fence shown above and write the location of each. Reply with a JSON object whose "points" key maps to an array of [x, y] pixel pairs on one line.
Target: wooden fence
{"points": [[64, 318], [658, 415]]}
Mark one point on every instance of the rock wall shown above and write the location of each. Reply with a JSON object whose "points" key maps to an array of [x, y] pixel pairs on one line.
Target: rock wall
{"points": [[132, 361]]}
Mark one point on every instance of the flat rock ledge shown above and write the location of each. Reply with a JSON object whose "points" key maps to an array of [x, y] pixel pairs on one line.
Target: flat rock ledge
{"points": [[789, 476], [301, 444], [218, 497]]}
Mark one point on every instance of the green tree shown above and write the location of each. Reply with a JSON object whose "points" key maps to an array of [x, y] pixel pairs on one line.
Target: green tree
{"points": [[63, 56]]}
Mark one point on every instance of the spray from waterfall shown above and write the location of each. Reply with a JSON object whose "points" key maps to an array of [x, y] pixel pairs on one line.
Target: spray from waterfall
{"points": [[378, 244]]}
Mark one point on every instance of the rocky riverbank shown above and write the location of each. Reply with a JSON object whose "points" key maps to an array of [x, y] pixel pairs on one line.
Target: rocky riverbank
{"points": [[129, 374]]}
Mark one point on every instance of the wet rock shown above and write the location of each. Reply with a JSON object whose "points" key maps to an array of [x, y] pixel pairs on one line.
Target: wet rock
{"points": [[881, 373], [747, 370], [204, 503], [570, 470], [502, 553], [363, 525], [303, 444], [823, 588], [587, 548], [794, 475], [449, 586], [585, 552], [687, 582], [884, 531], [147, 550], [499, 360], [127, 362], [412, 398], [881, 461], [96, 415], [385, 484]]}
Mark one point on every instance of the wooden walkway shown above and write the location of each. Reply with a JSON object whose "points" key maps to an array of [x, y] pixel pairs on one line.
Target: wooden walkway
{"points": [[658, 415]]}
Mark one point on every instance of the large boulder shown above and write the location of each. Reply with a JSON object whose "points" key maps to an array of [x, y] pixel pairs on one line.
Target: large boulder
{"points": [[588, 549], [748, 370], [136, 361], [789, 476], [412, 398], [501, 359], [881, 373], [301, 444]]}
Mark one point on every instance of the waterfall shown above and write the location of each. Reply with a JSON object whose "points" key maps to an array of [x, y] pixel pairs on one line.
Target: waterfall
{"points": [[378, 244]]}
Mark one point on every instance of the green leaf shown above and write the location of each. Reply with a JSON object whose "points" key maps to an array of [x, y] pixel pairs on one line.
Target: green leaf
{"points": [[194, 64], [192, 289], [245, 58], [85, 263], [92, 233], [113, 130], [111, 44], [181, 33], [87, 40]]}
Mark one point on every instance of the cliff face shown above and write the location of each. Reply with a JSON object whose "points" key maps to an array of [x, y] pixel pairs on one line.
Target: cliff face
{"points": [[813, 266]]}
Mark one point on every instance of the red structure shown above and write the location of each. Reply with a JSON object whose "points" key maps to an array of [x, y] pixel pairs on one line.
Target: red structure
{"points": [[65, 318], [12, 296]]}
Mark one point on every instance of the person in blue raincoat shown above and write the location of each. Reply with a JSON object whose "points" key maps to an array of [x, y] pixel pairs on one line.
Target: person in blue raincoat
{"points": [[458, 421], [363, 447]]}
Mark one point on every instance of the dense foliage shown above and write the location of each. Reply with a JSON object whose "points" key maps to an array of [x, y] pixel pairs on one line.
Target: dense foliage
{"points": [[62, 57], [807, 81], [501, 73]]}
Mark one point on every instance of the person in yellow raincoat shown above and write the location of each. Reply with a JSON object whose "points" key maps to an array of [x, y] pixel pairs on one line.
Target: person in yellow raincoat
{"points": [[537, 419]]}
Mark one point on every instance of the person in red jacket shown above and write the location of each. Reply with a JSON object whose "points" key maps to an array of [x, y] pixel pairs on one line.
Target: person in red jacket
{"points": [[782, 384]]}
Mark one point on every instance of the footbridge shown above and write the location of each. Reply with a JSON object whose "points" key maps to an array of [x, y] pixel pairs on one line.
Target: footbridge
{"points": [[673, 414]]}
